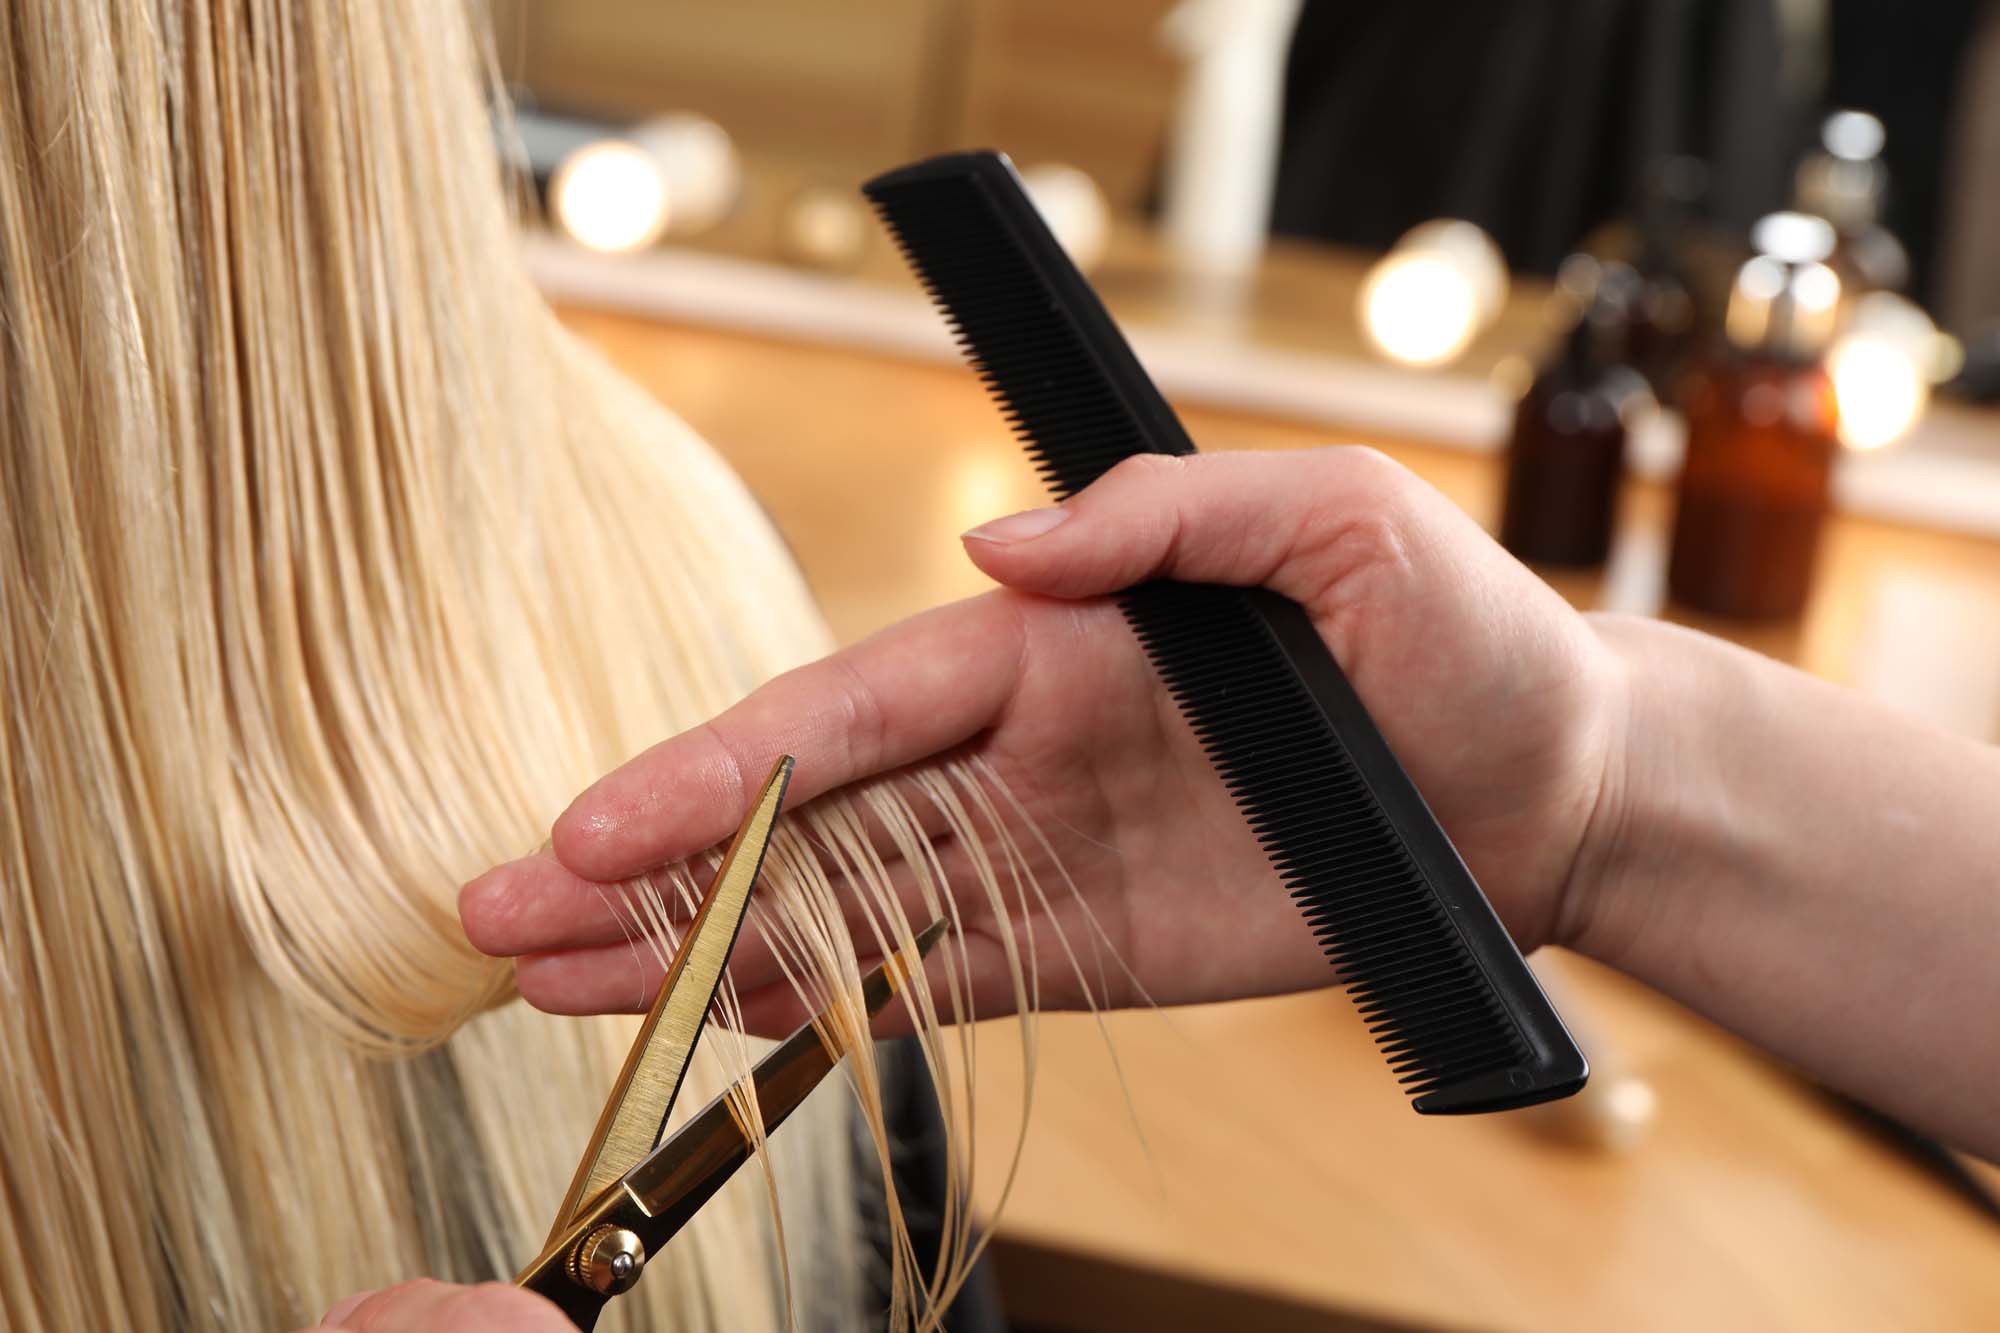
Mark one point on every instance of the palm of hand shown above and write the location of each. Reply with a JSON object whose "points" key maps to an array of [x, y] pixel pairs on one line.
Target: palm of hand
{"points": [[1504, 744]]}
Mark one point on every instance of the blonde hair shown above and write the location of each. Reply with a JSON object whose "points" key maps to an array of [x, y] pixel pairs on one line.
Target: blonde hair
{"points": [[330, 568]]}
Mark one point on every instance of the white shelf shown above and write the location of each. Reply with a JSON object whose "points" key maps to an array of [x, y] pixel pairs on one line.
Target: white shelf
{"points": [[1946, 475]]}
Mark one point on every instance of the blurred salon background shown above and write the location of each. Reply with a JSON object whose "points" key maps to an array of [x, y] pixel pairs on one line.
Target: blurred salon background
{"points": [[1694, 303]]}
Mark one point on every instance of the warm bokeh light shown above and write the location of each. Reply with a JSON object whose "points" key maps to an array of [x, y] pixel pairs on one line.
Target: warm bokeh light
{"points": [[824, 228], [1469, 250], [1426, 300], [1419, 309], [610, 196], [1796, 238], [1070, 202], [1883, 366], [1761, 278], [1879, 387], [698, 166], [980, 484], [1816, 288], [1852, 136], [1947, 358], [1755, 317]]}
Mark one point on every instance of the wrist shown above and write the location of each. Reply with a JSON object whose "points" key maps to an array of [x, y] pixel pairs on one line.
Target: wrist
{"points": [[1608, 899]]}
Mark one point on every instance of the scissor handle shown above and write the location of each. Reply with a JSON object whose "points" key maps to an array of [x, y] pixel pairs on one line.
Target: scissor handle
{"points": [[611, 1260]]}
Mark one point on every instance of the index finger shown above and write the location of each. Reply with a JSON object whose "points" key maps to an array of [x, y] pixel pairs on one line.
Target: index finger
{"points": [[898, 697]]}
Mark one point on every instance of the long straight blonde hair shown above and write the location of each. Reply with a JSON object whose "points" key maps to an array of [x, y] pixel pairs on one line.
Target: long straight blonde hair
{"points": [[330, 568]]}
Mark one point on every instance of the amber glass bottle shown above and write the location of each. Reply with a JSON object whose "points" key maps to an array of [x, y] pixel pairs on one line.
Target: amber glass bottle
{"points": [[1761, 444], [1567, 452]]}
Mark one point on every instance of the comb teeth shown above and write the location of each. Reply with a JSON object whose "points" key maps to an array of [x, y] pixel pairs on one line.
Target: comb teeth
{"points": [[1407, 968], [1048, 382], [1453, 1008]]}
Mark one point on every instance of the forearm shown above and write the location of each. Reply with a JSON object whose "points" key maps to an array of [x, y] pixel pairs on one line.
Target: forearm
{"points": [[1809, 868]]}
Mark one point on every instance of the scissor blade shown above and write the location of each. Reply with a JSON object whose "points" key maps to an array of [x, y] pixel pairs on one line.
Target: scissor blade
{"points": [[662, 1194], [636, 1113], [689, 1168]]}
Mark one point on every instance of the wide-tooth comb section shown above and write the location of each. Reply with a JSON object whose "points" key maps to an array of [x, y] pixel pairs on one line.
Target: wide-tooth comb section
{"points": [[1454, 1009]]}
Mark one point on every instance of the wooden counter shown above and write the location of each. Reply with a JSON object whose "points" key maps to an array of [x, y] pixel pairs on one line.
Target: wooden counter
{"points": [[1267, 1174]]}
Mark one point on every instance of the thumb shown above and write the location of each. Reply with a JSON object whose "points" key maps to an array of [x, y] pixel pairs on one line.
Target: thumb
{"points": [[1296, 522]]}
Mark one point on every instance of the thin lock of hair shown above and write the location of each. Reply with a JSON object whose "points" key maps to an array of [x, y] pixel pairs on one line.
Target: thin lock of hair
{"points": [[850, 882], [330, 568]]}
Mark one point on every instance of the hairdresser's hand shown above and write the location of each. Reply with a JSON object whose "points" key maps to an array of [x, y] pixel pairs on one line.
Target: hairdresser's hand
{"points": [[1501, 701], [425, 1306]]}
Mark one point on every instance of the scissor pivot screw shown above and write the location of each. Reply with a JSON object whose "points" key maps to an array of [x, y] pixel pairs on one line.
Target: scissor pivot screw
{"points": [[607, 1261]]}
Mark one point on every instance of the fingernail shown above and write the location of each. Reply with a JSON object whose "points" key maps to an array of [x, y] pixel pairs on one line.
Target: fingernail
{"points": [[1027, 524]]}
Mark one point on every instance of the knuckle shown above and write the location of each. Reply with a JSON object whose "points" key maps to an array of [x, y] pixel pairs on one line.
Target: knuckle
{"points": [[1358, 521], [864, 733], [1361, 540], [734, 770]]}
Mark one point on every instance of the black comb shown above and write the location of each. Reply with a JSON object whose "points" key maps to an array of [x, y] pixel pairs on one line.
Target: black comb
{"points": [[1442, 987]]}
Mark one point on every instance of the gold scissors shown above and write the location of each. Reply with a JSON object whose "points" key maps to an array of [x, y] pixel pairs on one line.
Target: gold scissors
{"points": [[632, 1192]]}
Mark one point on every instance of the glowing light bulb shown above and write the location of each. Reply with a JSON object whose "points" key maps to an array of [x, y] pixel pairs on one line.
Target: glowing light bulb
{"points": [[1425, 300], [677, 173], [1947, 358], [1852, 136], [1878, 387], [1882, 368], [610, 196], [1816, 288], [824, 228], [1796, 238], [1070, 202], [1472, 252], [1761, 278], [1419, 309], [697, 163]]}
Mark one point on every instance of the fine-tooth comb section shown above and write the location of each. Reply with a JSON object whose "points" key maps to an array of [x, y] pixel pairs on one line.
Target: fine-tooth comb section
{"points": [[1433, 974]]}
